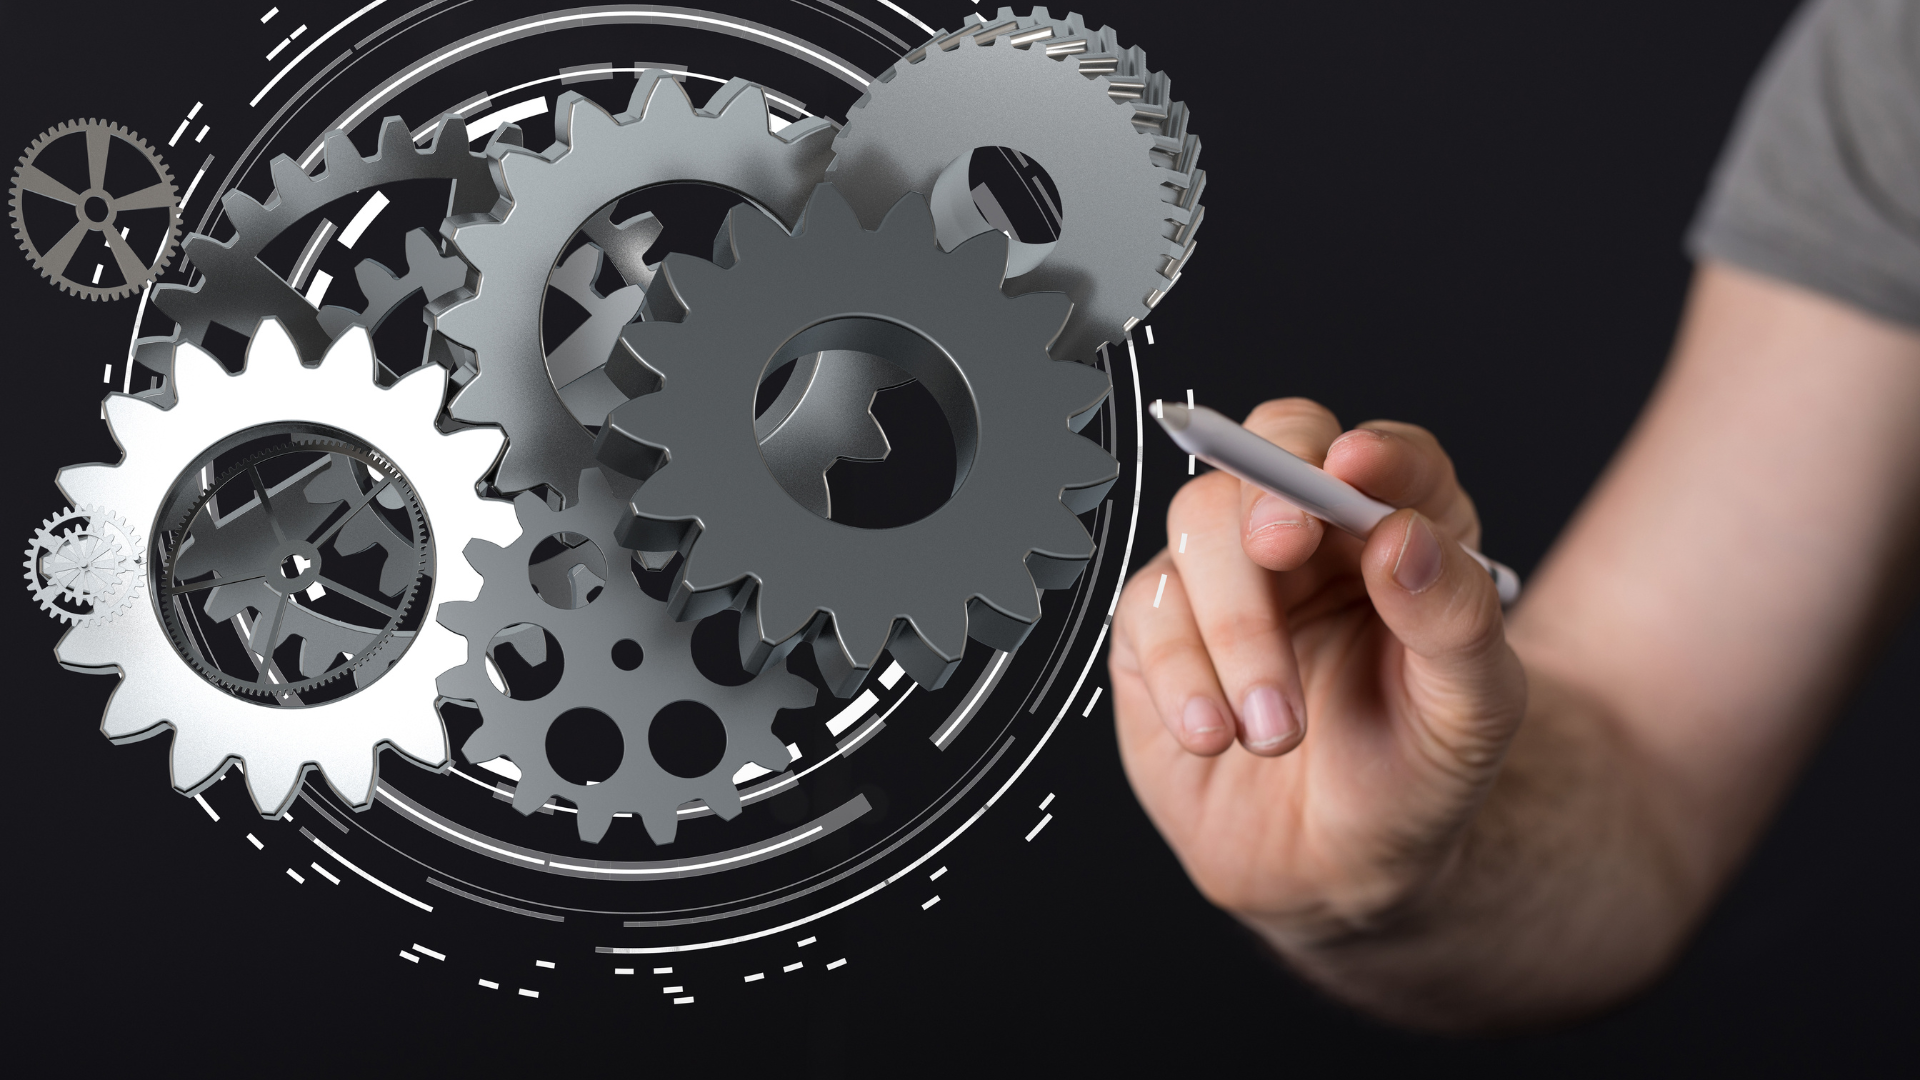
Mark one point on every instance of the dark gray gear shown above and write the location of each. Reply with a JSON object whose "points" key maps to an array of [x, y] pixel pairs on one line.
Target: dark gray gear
{"points": [[596, 159], [52, 263], [237, 290], [973, 566], [592, 613], [1102, 124]]}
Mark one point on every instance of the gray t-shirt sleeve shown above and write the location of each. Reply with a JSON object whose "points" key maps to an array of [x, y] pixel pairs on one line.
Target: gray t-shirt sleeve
{"points": [[1820, 184]]}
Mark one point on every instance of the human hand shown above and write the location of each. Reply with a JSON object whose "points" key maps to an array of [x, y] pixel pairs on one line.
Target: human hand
{"points": [[1393, 648]]}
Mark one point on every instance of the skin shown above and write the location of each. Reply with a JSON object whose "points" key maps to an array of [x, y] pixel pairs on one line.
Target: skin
{"points": [[1461, 820]]}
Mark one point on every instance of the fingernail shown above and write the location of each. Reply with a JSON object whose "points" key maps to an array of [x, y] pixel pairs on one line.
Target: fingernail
{"points": [[1419, 563], [1270, 512], [1201, 718], [1270, 720]]}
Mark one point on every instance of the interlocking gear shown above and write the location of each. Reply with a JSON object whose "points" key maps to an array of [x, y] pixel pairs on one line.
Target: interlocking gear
{"points": [[595, 614], [428, 273], [969, 567], [135, 271], [85, 565], [596, 159], [1101, 123], [163, 448], [237, 290]]}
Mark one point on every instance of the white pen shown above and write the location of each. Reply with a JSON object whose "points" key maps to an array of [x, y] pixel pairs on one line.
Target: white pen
{"points": [[1233, 449]]}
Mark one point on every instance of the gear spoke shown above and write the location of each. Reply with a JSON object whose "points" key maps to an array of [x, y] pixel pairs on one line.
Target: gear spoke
{"points": [[154, 197], [380, 606], [327, 532], [97, 156], [131, 267], [32, 179], [210, 583], [60, 254], [266, 503]]}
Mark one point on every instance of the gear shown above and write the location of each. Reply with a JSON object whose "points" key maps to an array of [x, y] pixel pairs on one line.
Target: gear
{"points": [[1100, 122], [321, 505], [428, 273], [595, 160], [88, 558], [237, 290], [596, 615], [161, 194], [711, 492], [164, 449]]}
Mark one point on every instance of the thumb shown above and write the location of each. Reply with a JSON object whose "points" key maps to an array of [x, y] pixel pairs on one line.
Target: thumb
{"points": [[1465, 683]]}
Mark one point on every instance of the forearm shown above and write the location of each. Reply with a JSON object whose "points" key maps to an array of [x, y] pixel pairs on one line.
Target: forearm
{"points": [[1562, 893]]}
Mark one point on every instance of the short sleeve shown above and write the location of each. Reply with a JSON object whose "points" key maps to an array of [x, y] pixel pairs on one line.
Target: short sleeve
{"points": [[1820, 183]]}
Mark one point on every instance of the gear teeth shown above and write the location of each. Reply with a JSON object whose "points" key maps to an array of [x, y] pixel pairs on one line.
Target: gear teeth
{"points": [[931, 658], [576, 116], [1101, 470], [529, 796], [593, 821], [658, 97], [828, 212], [195, 761], [737, 93], [350, 775]]}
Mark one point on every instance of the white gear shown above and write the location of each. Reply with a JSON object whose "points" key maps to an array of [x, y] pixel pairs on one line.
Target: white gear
{"points": [[159, 690], [89, 557]]}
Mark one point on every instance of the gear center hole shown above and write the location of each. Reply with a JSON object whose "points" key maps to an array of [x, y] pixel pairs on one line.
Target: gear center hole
{"points": [[585, 746], [96, 209], [866, 422], [567, 570]]}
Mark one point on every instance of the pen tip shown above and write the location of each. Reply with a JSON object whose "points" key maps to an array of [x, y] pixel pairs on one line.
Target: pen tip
{"points": [[1172, 415]]}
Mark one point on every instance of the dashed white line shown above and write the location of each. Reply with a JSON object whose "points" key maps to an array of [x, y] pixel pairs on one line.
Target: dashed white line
{"points": [[1161, 591], [204, 128], [322, 871], [755, 977], [930, 903], [902, 12], [1037, 828], [548, 964], [308, 51], [1046, 802], [424, 951], [804, 942], [892, 674], [317, 291], [842, 962], [937, 874], [257, 845], [623, 971], [795, 966], [1183, 543], [188, 197], [362, 218], [673, 989], [1189, 397], [688, 1000], [489, 984], [1091, 702], [663, 971], [179, 131], [370, 879], [1149, 335], [271, 12], [486, 125], [295, 875], [97, 267], [851, 715], [275, 51], [409, 957], [529, 993], [203, 805]]}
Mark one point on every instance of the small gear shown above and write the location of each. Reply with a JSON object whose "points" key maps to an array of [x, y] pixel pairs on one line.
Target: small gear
{"points": [[237, 290], [52, 263], [87, 559], [973, 566], [596, 159], [1101, 123], [428, 273], [166, 450], [620, 656]]}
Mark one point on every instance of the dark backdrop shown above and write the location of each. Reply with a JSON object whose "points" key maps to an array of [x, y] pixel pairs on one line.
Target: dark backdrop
{"points": [[1468, 216]]}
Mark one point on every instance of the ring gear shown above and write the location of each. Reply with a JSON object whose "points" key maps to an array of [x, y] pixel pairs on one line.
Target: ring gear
{"points": [[211, 727], [237, 290], [246, 548], [971, 566], [52, 263], [1093, 114], [88, 557], [596, 159], [602, 612]]}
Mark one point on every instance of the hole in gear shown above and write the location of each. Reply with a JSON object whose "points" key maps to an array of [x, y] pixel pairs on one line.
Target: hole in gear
{"points": [[687, 739], [914, 480], [584, 746], [567, 570], [528, 661], [716, 649], [627, 654]]}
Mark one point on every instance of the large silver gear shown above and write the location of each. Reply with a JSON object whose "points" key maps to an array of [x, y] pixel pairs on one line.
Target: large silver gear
{"points": [[159, 690], [595, 159], [52, 263], [1101, 123], [586, 610], [237, 290], [88, 558], [973, 566]]}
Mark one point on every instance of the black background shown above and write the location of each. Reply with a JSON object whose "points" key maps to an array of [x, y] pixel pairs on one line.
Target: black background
{"points": [[1467, 216]]}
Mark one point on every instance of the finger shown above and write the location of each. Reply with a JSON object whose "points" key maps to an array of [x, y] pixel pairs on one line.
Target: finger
{"points": [[1279, 535], [1404, 465], [1154, 633], [1465, 682], [1241, 620]]}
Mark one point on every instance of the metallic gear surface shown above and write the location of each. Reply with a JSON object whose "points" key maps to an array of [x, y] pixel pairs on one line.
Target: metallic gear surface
{"points": [[159, 691], [595, 159], [52, 263], [237, 290], [1101, 123], [973, 566], [587, 610], [88, 557]]}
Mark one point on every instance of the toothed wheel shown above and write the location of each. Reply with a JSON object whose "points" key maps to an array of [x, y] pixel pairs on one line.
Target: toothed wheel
{"points": [[564, 597], [85, 565], [96, 210], [972, 566]]}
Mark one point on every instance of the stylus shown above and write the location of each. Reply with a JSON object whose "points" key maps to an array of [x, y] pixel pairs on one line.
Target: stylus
{"points": [[1231, 448]]}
